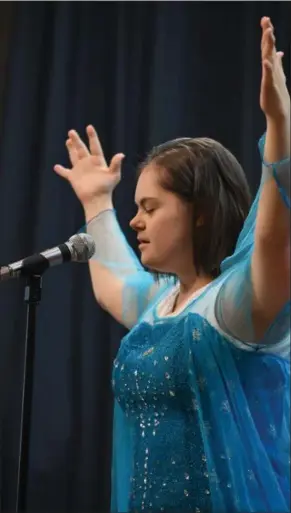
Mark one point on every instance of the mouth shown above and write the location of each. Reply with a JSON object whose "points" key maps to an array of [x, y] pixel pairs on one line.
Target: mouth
{"points": [[142, 243]]}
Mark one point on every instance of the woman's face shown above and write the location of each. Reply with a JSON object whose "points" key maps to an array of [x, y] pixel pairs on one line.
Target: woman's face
{"points": [[163, 224]]}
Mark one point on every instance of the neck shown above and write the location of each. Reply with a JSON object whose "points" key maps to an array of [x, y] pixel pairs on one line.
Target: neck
{"points": [[188, 286], [190, 282]]}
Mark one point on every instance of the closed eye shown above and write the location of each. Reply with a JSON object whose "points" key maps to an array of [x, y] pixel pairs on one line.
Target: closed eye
{"points": [[149, 210], [148, 205]]}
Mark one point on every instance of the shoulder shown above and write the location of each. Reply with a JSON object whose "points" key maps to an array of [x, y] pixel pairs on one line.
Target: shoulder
{"points": [[207, 306]]}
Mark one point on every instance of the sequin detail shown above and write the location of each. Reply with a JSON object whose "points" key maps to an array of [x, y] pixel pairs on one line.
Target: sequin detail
{"points": [[170, 468]]}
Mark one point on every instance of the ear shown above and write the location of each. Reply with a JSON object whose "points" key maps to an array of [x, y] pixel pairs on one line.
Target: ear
{"points": [[200, 221]]}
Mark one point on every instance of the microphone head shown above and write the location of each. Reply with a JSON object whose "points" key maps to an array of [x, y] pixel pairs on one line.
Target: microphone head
{"points": [[83, 247]]}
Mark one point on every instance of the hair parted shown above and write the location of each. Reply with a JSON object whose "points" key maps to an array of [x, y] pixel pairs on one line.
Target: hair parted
{"points": [[201, 171]]}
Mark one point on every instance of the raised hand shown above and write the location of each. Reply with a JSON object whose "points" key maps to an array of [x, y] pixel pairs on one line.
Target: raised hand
{"points": [[90, 176], [274, 96]]}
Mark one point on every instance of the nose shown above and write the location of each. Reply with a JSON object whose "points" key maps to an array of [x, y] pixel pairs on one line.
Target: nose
{"points": [[137, 223]]}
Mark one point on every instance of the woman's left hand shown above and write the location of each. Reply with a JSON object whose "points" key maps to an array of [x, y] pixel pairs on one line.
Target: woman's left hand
{"points": [[274, 95]]}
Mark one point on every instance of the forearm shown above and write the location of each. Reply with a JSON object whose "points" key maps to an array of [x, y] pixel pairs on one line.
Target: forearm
{"points": [[120, 284], [273, 219], [270, 265], [112, 250]]}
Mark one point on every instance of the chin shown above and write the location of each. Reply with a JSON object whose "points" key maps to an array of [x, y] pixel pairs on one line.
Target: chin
{"points": [[145, 260], [148, 262], [153, 265]]}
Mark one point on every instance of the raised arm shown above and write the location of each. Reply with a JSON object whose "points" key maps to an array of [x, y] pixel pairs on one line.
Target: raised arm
{"points": [[120, 284], [253, 304], [271, 258]]}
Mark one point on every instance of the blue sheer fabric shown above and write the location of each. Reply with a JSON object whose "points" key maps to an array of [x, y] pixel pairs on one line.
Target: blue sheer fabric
{"points": [[200, 425]]}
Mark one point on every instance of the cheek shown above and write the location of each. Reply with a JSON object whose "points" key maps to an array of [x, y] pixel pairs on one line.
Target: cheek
{"points": [[170, 232], [159, 227]]}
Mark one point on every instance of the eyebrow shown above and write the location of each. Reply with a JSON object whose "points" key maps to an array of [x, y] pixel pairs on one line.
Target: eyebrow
{"points": [[144, 200]]}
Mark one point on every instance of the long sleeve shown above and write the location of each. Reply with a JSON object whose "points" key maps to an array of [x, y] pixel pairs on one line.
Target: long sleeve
{"points": [[235, 299], [136, 286]]}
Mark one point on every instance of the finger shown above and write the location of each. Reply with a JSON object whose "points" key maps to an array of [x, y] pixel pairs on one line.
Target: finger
{"points": [[268, 44], [267, 65], [264, 40], [62, 171], [279, 59], [266, 22], [115, 163], [267, 74], [73, 153], [265, 25], [280, 56], [269, 37], [78, 144], [94, 143]]}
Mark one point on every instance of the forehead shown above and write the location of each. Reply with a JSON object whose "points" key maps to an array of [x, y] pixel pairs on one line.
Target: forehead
{"points": [[148, 183]]}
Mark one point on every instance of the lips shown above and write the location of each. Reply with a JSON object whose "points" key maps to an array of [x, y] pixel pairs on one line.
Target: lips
{"points": [[142, 243]]}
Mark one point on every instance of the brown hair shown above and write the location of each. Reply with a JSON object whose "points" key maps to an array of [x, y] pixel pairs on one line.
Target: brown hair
{"points": [[203, 172]]}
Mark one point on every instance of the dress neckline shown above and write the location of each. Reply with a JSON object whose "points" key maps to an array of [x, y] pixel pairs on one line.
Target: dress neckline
{"points": [[164, 308]]}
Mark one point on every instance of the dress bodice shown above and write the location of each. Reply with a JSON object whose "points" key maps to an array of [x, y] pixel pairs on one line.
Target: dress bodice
{"points": [[151, 384]]}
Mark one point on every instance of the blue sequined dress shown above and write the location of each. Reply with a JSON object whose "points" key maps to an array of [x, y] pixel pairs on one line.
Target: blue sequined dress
{"points": [[152, 385], [202, 413]]}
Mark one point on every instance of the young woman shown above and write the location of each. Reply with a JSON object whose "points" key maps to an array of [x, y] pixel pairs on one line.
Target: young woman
{"points": [[202, 379]]}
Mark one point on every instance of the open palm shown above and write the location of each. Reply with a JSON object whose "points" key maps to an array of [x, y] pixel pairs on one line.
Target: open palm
{"points": [[90, 175], [274, 96]]}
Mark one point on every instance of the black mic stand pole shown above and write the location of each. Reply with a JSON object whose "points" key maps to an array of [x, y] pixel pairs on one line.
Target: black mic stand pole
{"points": [[32, 297]]}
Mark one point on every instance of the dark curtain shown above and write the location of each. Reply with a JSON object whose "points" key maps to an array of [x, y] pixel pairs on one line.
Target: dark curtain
{"points": [[141, 73]]}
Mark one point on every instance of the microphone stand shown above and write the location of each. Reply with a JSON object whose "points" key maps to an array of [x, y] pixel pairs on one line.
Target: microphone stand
{"points": [[32, 297]]}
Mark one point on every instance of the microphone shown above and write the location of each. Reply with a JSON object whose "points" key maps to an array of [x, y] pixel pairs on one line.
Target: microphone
{"points": [[79, 248]]}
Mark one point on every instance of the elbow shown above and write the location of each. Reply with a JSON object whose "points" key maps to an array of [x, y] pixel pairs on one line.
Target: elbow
{"points": [[273, 238], [101, 301], [274, 252], [273, 219], [272, 257]]}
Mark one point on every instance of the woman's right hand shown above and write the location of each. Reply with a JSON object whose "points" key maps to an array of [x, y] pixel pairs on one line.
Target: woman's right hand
{"points": [[90, 177]]}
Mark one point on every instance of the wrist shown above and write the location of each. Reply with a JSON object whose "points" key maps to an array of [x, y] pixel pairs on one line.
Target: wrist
{"points": [[277, 146], [96, 205], [281, 121]]}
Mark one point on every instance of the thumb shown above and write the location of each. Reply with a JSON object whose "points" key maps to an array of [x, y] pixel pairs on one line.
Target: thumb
{"points": [[115, 163], [280, 66], [62, 171], [280, 56]]}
